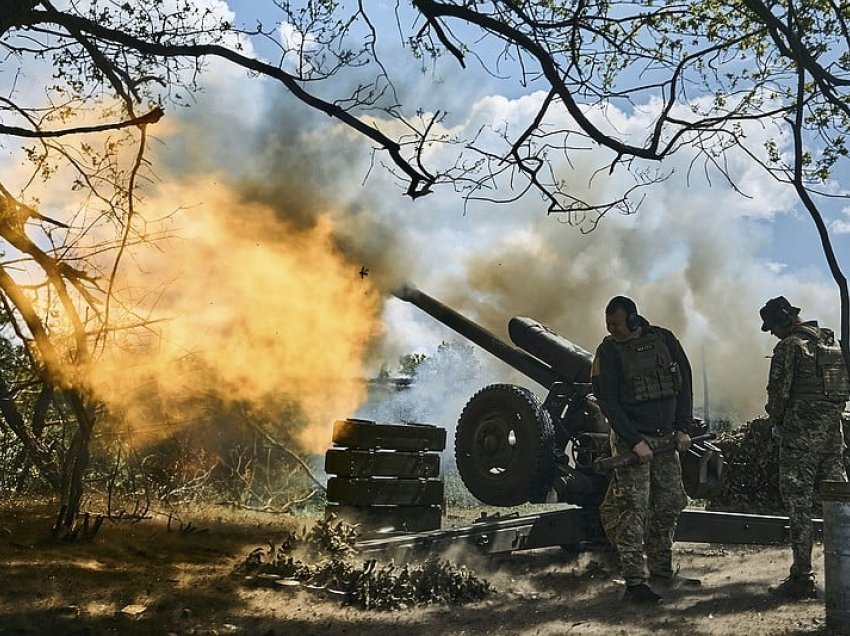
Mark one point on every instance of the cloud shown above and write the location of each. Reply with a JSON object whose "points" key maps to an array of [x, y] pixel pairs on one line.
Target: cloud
{"points": [[841, 225], [774, 267]]}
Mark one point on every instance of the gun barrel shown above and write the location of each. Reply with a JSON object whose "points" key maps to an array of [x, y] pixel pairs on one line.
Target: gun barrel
{"points": [[571, 362], [516, 358]]}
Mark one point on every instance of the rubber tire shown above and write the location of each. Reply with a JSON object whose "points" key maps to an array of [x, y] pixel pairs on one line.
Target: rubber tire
{"points": [[529, 469]]}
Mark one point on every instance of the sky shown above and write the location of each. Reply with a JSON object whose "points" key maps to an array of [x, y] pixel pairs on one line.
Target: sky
{"points": [[698, 257]]}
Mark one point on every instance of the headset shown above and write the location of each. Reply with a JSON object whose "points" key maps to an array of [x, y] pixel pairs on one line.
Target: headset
{"points": [[628, 305]]}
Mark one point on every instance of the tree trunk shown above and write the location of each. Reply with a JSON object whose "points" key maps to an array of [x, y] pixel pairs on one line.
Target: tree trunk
{"points": [[77, 459]]}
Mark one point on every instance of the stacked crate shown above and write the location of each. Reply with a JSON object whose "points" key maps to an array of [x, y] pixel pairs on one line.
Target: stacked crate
{"points": [[386, 476]]}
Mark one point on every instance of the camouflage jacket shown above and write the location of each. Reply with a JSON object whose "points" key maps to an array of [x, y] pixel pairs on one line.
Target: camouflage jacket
{"points": [[789, 357]]}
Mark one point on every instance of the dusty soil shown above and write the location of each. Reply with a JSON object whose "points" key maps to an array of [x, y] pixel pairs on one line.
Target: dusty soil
{"points": [[184, 583]]}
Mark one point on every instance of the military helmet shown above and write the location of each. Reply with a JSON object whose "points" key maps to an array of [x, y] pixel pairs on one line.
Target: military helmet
{"points": [[777, 310]]}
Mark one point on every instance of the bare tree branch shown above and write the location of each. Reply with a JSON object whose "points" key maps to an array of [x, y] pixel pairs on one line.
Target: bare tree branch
{"points": [[150, 117]]}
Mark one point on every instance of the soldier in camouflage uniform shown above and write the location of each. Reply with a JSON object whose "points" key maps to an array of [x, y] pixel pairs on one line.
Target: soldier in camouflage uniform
{"points": [[642, 381], [806, 394]]}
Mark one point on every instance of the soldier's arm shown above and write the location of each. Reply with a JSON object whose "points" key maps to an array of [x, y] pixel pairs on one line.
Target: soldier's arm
{"points": [[782, 366], [685, 399], [606, 378]]}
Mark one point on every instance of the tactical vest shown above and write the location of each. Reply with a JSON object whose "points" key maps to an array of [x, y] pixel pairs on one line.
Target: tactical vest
{"points": [[820, 372], [648, 369]]}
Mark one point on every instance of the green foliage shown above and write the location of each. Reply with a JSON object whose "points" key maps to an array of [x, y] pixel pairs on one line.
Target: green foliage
{"points": [[456, 494], [456, 359], [750, 472], [724, 426], [80, 75], [32, 417], [13, 360], [409, 363], [367, 584]]}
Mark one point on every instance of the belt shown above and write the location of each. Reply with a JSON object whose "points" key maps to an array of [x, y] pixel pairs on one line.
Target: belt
{"points": [[656, 433]]}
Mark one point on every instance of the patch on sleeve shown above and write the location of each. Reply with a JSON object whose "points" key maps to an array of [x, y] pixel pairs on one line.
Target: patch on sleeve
{"points": [[776, 369]]}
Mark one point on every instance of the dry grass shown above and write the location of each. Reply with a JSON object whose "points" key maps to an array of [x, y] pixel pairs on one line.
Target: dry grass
{"points": [[183, 583]]}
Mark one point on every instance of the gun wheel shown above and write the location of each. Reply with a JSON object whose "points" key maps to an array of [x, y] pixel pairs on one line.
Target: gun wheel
{"points": [[504, 446]]}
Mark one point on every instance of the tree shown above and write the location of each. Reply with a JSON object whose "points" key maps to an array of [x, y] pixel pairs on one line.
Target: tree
{"points": [[58, 299], [115, 65], [28, 408], [711, 70], [409, 363]]}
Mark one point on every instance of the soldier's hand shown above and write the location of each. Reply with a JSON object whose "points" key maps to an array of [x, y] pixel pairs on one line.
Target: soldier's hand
{"points": [[682, 441], [643, 451]]}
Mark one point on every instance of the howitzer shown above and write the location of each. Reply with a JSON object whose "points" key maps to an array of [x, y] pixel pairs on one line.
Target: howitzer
{"points": [[511, 448]]}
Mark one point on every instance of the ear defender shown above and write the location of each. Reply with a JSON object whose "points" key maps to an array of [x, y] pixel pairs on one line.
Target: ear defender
{"points": [[627, 305]]}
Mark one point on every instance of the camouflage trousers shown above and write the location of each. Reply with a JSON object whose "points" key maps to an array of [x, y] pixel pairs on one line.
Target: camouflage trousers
{"points": [[811, 450], [640, 512]]}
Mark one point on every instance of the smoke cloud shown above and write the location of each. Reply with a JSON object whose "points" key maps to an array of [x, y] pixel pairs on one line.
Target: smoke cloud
{"points": [[242, 307]]}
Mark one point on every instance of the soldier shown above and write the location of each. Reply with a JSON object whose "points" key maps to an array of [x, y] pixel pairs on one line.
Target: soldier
{"points": [[806, 394], [642, 380]]}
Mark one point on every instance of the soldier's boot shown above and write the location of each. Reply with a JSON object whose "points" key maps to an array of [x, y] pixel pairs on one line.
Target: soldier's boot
{"points": [[641, 594], [796, 587]]}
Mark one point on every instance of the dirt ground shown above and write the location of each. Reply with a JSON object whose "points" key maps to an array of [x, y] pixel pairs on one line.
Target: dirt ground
{"points": [[147, 578]]}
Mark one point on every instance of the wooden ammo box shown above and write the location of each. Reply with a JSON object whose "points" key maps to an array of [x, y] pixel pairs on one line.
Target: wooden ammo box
{"points": [[386, 476]]}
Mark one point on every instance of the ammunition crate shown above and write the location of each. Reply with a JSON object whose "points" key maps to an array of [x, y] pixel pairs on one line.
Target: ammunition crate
{"points": [[383, 477], [366, 435], [360, 463], [382, 492]]}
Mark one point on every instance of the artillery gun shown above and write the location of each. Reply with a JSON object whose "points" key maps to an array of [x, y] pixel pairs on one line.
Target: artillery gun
{"points": [[512, 448]]}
